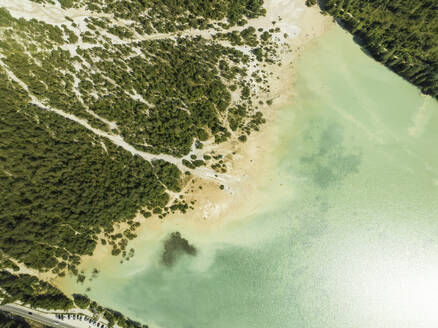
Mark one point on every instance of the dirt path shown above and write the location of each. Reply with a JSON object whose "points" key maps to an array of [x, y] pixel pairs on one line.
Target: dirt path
{"points": [[118, 140]]}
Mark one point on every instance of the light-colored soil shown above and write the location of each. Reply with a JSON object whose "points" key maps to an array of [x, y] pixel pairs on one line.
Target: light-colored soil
{"points": [[247, 164]]}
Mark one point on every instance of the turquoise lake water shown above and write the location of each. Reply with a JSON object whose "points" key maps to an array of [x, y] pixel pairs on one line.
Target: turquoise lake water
{"points": [[347, 233]]}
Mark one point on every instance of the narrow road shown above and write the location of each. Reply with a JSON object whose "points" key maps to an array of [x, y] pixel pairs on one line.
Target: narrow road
{"points": [[35, 316]]}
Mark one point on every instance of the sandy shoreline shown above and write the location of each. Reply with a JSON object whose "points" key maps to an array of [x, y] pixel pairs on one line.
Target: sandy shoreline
{"points": [[251, 162]]}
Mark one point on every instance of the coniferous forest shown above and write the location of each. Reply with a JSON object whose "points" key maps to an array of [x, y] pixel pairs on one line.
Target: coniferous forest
{"points": [[67, 90], [402, 34], [101, 118], [102, 115]]}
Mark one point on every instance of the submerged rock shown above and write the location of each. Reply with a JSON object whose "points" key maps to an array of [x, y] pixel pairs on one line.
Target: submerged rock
{"points": [[174, 247]]}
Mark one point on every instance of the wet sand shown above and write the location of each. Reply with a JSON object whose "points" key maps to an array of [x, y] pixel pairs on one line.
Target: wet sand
{"points": [[250, 163]]}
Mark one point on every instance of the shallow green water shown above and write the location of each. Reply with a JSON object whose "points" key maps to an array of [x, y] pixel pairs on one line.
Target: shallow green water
{"points": [[348, 232]]}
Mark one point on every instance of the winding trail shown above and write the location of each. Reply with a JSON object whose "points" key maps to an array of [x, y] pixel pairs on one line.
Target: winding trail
{"points": [[118, 140], [56, 15]]}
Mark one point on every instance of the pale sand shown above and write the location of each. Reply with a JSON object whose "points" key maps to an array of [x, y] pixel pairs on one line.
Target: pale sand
{"points": [[252, 162]]}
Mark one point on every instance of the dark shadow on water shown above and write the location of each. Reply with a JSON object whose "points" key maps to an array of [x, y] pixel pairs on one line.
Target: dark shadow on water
{"points": [[356, 38], [329, 162], [174, 247], [360, 42]]}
